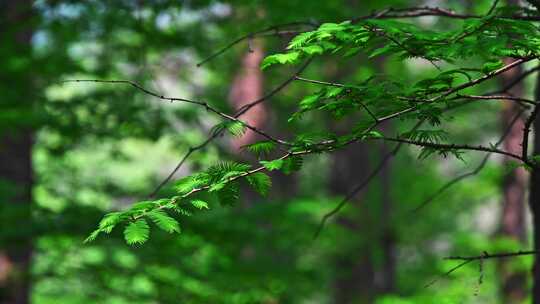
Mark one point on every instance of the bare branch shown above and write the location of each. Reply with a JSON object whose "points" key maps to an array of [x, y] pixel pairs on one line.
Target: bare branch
{"points": [[356, 190], [269, 31], [250, 105], [200, 103], [493, 6], [527, 131], [453, 147], [382, 33], [333, 84], [362, 184], [415, 12], [486, 255], [498, 97], [469, 174], [447, 273], [241, 111], [517, 80]]}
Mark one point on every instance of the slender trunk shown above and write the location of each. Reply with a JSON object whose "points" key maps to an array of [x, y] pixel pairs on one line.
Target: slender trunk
{"points": [[247, 87], [388, 240], [534, 202], [15, 154], [355, 278], [513, 284]]}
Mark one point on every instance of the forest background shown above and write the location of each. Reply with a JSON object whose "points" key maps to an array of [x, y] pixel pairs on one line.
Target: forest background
{"points": [[71, 152]]}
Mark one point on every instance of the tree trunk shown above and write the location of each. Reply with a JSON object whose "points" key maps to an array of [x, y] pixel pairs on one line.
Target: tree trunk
{"points": [[513, 284], [247, 87], [355, 278], [15, 153], [388, 239], [534, 203]]}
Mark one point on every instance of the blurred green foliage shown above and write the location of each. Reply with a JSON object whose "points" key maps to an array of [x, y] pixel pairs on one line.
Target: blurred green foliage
{"points": [[99, 148]]}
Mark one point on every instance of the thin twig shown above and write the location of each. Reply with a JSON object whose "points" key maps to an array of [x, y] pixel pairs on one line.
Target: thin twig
{"points": [[447, 273], [527, 131], [493, 6], [266, 32], [333, 84], [453, 147], [177, 199], [356, 190], [498, 97], [240, 112], [382, 33], [516, 80], [469, 174], [192, 149], [204, 104], [361, 185], [486, 255], [415, 12]]}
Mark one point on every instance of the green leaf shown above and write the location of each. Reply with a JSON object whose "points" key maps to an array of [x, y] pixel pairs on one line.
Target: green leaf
{"points": [[217, 186], [164, 221], [261, 147], [299, 40], [189, 183], [260, 182], [275, 164], [142, 206], [236, 128], [373, 134], [380, 51], [137, 232], [200, 204], [313, 49], [291, 57], [333, 92], [92, 236], [229, 194], [310, 101], [109, 221], [224, 170], [292, 164], [491, 66]]}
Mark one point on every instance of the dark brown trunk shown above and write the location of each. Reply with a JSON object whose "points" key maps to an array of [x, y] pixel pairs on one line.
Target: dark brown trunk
{"points": [[15, 153], [355, 277], [388, 241], [15, 252], [513, 283], [534, 202]]}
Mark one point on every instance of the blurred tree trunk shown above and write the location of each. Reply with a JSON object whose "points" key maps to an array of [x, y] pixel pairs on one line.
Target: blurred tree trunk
{"points": [[362, 279], [388, 237], [513, 284], [355, 279], [15, 153], [247, 87], [534, 202]]}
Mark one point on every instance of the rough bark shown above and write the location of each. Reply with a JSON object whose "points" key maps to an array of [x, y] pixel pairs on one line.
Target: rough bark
{"points": [[15, 155]]}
